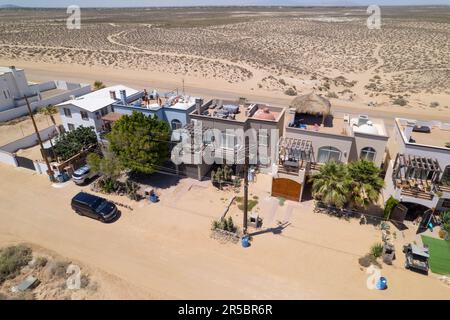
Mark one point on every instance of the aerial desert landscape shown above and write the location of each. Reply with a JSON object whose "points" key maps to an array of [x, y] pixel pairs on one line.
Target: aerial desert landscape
{"points": [[166, 249], [254, 51]]}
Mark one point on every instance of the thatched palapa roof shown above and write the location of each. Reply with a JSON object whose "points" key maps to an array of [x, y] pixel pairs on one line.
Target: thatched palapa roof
{"points": [[311, 104]]}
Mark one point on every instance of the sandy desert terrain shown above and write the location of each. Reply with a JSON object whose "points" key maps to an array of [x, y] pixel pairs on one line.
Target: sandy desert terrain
{"points": [[259, 51], [164, 250]]}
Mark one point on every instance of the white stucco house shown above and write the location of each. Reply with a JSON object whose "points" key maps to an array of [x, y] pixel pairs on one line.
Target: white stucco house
{"points": [[88, 110], [419, 169], [14, 86]]}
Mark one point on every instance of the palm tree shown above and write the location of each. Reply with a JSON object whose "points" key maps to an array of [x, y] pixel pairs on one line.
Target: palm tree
{"points": [[98, 85], [366, 184], [331, 184], [49, 111]]}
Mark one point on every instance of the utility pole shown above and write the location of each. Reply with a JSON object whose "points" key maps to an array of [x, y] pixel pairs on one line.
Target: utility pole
{"points": [[183, 88], [246, 164], [49, 168]]}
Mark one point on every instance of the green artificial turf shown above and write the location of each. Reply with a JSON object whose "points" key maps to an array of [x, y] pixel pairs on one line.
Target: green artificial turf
{"points": [[439, 254]]}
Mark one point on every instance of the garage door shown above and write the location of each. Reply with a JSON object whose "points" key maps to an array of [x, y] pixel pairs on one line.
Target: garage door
{"points": [[286, 188]]}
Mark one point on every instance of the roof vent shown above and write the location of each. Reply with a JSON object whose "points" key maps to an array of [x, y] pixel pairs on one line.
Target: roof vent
{"points": [[362, 119]]}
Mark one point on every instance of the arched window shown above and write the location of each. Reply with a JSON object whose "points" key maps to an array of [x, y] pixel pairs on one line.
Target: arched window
{"points": [[328, 154], [446, 176], [176, 124], [368, 153]]}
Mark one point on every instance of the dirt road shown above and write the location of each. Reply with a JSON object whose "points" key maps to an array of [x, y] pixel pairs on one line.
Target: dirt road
{"points": [[159, 251]]}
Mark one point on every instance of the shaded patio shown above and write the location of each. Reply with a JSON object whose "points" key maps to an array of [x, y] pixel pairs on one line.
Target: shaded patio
{"points": [[420, 174]]}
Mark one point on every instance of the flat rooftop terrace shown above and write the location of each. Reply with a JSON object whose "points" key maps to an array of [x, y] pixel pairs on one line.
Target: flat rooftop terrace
{"points": [[338, 125], [234, 110], [437, 137]]}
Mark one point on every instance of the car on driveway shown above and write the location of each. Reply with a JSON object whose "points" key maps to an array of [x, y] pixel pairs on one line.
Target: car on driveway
{"points": [[83, 174], [94, 207]]}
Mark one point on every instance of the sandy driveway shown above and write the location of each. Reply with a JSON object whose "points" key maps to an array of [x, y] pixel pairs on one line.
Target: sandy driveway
{"points": [[162, 251]]}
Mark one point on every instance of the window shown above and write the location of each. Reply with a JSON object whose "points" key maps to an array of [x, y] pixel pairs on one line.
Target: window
{"points": [[104, 111], [67, 113], [97, 115], [263, 138], [84, 115], [328, 154], [176, 124], [70, 126], [368, 153], [228, 141], [446, 176], [112, 108]]}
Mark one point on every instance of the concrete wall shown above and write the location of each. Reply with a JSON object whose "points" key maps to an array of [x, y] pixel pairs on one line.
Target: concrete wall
{"points": [[128, 110], [8, 158], [29, 141], [23, 110]]}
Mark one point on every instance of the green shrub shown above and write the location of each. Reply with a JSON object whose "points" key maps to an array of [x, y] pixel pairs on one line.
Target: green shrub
{"points": [[12, 259], [332, 95], [224, 224], [376, 250], [250, 205], [281, 201], [290, 92], [400, 101], [391, 203]]}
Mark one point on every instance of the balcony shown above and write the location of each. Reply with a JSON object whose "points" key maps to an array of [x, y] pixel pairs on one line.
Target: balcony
{"points": [[293, 155], [417, 177]]}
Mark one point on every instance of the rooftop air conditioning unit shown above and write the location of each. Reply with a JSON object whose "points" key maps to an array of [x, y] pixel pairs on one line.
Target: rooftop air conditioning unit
{"points": [[362, 119]]}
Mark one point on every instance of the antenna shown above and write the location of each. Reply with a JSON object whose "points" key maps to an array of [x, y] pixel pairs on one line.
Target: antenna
{"points": [[183, 85]]}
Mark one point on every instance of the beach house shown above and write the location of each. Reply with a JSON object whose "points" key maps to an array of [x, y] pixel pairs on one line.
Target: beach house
{"points": [[96, 109], [314, 136], [14, 86], [419, 169], [228, 118]]}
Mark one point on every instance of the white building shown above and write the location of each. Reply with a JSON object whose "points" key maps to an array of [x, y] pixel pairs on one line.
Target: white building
{"points": [[419, 170], [88, 110], [14, 86]]}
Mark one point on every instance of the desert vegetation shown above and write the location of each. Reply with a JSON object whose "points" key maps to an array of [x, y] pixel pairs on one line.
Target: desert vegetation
{"points": [[279, 49]]}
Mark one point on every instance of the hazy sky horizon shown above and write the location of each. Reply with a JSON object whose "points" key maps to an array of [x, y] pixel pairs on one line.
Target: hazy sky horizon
{"points": [[168, 3]]}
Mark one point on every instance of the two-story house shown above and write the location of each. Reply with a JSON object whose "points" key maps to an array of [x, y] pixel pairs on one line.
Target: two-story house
{"points": [[90, 110], [233, 120], [314, 136], [419, 171]]}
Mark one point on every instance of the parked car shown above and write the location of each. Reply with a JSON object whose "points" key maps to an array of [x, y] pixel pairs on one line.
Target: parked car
{"points": [[94, 207], [83, 174], [416, 258]]}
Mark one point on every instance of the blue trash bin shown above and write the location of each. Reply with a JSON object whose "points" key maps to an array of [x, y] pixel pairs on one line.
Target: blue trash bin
{"points": [[382, 283], [245, 241], [153, 198]]}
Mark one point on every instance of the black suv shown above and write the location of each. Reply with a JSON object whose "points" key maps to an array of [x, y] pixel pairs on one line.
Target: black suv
{"points": [[94, 207]]}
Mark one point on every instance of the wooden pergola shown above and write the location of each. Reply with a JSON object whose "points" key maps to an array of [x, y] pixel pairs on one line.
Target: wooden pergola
{"points": [[416, 172], [294, 152]]}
